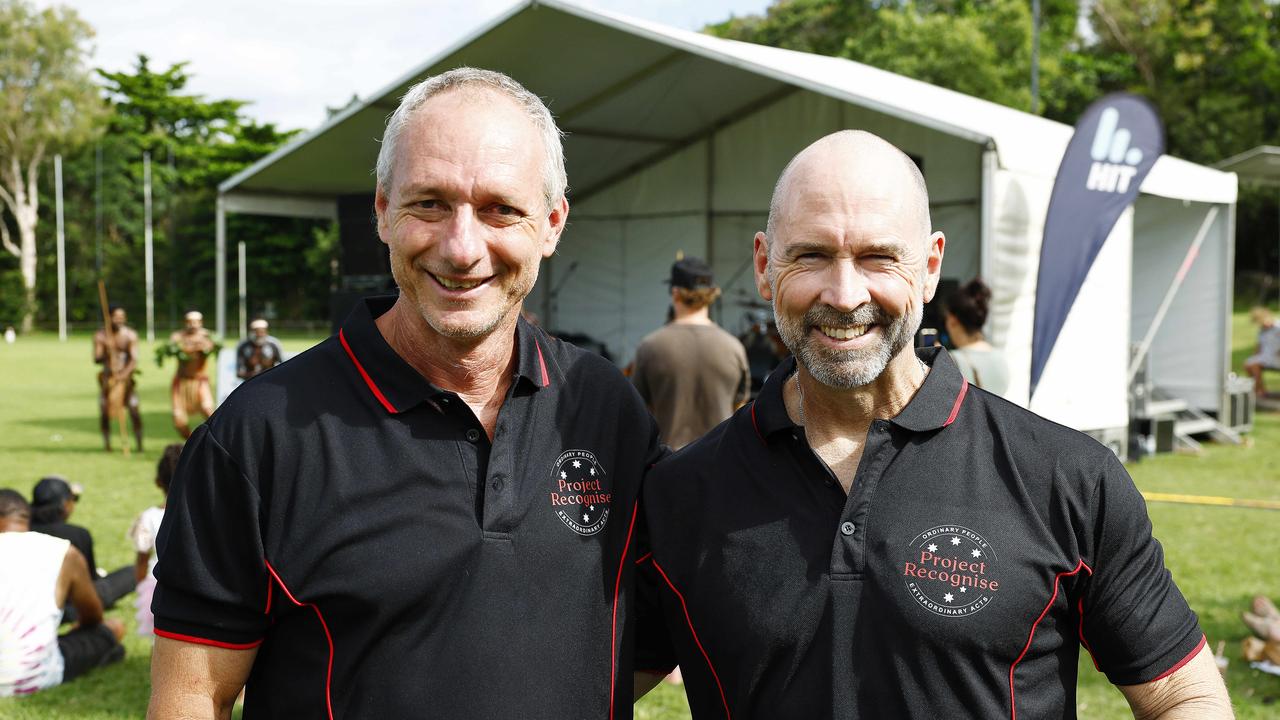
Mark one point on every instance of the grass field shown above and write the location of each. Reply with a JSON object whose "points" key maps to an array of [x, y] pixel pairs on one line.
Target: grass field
{"points": [[48, 424]]}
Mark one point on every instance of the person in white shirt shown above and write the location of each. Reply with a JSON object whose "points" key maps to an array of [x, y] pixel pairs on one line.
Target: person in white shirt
{"points": [[143, 534], [39, 574]]}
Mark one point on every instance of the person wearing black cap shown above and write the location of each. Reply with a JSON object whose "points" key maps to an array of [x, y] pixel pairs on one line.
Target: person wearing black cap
{"points": [[690, 372], [53, 499], [873, 537]]}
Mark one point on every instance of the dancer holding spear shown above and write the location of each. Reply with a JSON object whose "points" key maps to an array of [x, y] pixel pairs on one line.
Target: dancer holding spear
{"points": [[115, 347]]}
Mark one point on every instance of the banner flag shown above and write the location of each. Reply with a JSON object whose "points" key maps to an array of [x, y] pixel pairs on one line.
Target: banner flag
{"points": [[1117, 140]]}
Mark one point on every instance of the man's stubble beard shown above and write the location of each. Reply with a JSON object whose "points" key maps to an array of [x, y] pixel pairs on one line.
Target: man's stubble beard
{"points": [[846, 369], [431, 315]]}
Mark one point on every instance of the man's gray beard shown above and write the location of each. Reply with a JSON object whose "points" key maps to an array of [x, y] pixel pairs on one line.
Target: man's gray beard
{"points": [[847, 369]]}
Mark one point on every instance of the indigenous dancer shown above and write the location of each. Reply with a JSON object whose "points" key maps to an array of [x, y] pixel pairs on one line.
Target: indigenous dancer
{"points": [[116, 351], [190, 392]]}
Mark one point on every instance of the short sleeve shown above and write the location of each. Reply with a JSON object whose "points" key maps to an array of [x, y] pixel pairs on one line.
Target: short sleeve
{"points": [[142, 534], [211, 578], [1135, 622]]}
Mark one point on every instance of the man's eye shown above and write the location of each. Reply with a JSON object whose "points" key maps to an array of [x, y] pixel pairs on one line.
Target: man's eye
{"points": [[431, 204], [505, 210]]}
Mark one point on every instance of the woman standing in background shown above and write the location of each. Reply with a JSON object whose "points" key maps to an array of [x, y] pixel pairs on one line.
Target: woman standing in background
{"points": [[982, 364]]}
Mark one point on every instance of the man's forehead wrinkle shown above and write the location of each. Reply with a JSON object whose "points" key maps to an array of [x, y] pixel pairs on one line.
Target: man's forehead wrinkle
{"points": [[488, 153]]}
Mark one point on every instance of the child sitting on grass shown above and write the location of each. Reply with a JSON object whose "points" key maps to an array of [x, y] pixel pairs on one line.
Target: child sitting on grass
{"points": [[143, 536]]}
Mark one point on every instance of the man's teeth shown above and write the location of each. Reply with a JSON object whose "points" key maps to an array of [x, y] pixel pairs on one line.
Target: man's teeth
{"points": [[457, 284], [837, 333]]}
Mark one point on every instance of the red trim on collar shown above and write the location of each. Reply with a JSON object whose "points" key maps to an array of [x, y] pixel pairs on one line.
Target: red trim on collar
{"points": [[367, 380], [328, 681], [546, 380], [955, 409], [755, 424], [617, 590]]}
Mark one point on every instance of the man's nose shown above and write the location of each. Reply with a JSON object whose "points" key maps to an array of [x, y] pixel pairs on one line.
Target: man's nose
{"points": [[846, 288], [463, 243]]}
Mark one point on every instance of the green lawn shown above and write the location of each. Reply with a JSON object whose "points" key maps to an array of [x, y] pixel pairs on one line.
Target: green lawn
{"points": [[1220, 556]]}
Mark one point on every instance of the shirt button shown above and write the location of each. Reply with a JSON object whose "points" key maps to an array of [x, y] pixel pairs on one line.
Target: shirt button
{"points": [[473, 435], [497, 483], [847, 527]]}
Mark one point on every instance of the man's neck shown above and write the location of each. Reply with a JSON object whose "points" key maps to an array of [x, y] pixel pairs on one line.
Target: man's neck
{"points": [[478, 370], [832, 411], [687, 316]]}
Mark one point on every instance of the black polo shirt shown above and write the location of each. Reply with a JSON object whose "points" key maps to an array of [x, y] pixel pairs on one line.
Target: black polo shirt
{"points": [[354, 523], [980, 545]]}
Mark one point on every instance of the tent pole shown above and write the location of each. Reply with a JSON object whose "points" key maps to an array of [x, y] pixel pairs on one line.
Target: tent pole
{"points": [[710, 216], [1187, 262], [242, 289], [220, 267]]}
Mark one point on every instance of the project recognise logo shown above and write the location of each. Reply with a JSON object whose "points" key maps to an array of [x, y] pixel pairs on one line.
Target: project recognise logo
{"points": [[1115, 163]]}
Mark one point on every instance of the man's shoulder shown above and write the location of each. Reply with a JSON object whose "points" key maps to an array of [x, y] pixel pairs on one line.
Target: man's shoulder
{"points": [[264, 397], [574, 363], [34, 542], [1031, 436], [706, 458]]}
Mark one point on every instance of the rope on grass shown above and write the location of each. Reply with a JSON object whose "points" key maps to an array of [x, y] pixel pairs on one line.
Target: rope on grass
{"points": [[1211, 500]]}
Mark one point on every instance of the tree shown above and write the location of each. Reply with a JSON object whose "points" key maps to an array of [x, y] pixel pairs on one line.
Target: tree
{"points": [[48, 103], [978, 47], [194, 143], [1211, 67]]}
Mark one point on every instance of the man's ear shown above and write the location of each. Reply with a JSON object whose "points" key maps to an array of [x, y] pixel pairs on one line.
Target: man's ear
{"points": [[556, 221], [760, 261], [933, 264], [380, 204]]}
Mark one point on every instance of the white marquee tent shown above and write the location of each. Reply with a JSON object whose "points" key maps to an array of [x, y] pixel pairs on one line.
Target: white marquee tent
{"points": [[675, 140]]}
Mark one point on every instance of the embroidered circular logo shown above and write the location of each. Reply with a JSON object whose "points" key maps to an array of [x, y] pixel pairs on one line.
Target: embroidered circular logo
{"points": [[951, 571], [579, 492]]}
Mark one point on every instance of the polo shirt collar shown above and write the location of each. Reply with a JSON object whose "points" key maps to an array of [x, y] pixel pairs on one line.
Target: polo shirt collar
{"points": [[934, 406], [938, 400], [395, 384]]}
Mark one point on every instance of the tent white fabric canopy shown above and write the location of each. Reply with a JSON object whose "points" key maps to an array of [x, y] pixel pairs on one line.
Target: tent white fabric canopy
{"points": [[675, 139]]}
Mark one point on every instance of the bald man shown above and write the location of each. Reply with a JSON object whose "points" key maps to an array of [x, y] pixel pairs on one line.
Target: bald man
{"points": [[874, 537]]}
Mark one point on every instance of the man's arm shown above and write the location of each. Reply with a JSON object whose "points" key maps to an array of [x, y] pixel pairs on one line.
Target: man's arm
{"points": [[99, 348], [1194, 691], [127, 370], [81, 594], [196, 682]]}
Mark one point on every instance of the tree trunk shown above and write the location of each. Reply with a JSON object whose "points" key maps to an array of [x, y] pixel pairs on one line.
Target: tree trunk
{"points": [[23, 198], [26, 216]]}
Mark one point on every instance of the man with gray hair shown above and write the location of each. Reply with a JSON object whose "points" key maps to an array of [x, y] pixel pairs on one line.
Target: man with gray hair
{"points": [[873, 537], [430, 513]]}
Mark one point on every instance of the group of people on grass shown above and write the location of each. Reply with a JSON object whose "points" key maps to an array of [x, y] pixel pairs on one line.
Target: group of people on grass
{"points": [[50, 580]]}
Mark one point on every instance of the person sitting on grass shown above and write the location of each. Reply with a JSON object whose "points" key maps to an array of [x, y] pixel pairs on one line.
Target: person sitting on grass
{"points": [[1268, 355], [39, 575], [52, 501], [143, 535]]}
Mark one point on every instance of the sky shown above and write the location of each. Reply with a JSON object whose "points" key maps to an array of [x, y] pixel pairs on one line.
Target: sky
{"points": [[293, 58]]}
